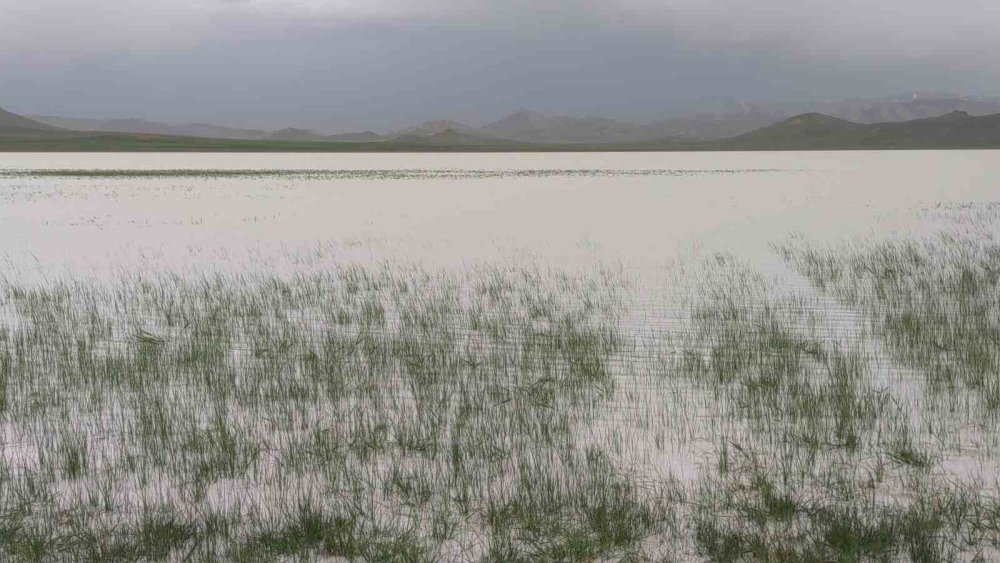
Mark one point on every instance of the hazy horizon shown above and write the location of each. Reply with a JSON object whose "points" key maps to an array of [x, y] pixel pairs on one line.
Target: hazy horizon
{"points": [[720, 107], [767, 333], [383, 65]]}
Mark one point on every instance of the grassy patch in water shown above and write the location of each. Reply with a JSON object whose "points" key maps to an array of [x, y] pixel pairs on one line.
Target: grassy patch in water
{"points": [[506, 413]]}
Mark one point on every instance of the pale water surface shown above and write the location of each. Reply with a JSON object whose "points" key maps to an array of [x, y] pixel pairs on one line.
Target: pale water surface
{"points": [[717, 201], [652, 219]]}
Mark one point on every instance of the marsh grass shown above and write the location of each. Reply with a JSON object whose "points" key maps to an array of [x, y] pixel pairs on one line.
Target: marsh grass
{"points": [[508, 413], [933, 301], [385, 413], [819, 460]]}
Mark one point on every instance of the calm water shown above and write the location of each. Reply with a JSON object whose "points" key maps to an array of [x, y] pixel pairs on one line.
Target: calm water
{"points": [[646, 217], [660, 206]]}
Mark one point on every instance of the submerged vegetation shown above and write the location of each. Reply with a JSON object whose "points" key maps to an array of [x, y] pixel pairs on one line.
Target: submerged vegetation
{"points": [[821, 457], [384, 414], [367, 174], [510, 413], [934, 302]]}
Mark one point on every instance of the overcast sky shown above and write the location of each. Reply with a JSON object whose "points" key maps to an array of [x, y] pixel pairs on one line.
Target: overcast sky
{"points": [[383, 64]]}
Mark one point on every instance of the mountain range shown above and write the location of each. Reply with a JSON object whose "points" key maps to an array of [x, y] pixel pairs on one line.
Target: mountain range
{"points": [[816, 131], [532, 131], [13, 123], [527, 126], [204, 130]]}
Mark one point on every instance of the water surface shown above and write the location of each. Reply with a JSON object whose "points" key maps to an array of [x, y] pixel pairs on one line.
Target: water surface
{"points": [[574, 209]]}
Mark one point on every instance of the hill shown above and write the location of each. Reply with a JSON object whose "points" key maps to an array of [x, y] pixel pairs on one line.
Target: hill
{"points": [[143, 126], [46, 139], [451, 138], [728, 120], [822, 132], [806, 131], [535, 127], [710, 127], [362, 137], [909, 107], [11, 122], [957, 129], [292, 134], [431, 128], [205, 130], [810, 131]]}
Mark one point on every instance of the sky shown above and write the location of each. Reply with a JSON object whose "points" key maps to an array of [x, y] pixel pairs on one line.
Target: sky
{"points": [[341, 65]]}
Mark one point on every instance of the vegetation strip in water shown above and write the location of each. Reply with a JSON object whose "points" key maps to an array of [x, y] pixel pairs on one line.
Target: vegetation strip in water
{"points": [[363, 174]]}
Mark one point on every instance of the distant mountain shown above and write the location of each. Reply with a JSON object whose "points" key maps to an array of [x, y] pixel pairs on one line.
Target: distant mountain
{"points": [[18, 133], [808, 131], [204, 130], [535, 127], [446, 133], [736, 119], [430, 128], [13, 122], [526, 126], [910, 107], [149, 127], [293, 134], [515, 123], [362, 137], [729, 121], [956, 129], [216, 131], [702, 128], [713, 126], [454, 138]]}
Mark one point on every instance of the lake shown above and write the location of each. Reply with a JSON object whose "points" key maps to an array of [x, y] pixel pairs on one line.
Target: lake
{"points": [[465, 357], [730, 201]]}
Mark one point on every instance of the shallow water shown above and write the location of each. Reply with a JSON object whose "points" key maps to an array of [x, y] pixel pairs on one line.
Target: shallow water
{"points": [[737, 202], [644, 214], [640, 229]]}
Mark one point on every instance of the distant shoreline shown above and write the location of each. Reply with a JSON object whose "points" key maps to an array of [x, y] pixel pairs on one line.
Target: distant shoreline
{"points": [[807, 132], [73, 146]]}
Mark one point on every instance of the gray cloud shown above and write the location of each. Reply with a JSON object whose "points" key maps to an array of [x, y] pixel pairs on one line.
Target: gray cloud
{"points": [[381, 63]]}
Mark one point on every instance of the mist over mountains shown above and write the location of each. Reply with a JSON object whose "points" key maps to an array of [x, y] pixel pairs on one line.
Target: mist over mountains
{"points": [[528, 126], [817, 131], [12, 122], [727, 122], [912, 121]]}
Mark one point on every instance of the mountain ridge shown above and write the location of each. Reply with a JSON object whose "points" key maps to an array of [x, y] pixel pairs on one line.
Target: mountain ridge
{"points": [[144, 126], [13, 121], [816, 131], [531, 126], [807, 131]]}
